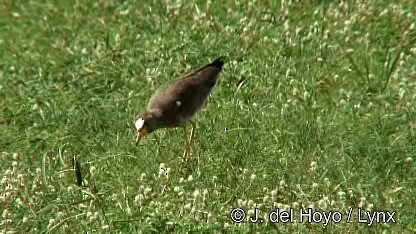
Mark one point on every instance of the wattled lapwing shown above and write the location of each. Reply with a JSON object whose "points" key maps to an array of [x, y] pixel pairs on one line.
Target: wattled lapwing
{"points": [[175, 104]]}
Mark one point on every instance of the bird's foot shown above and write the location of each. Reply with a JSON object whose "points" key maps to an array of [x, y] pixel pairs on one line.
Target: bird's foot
{"points": [[188, 153]]}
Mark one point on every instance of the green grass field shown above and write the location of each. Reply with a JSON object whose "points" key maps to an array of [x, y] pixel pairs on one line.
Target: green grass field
{"points": [[315, 108]]}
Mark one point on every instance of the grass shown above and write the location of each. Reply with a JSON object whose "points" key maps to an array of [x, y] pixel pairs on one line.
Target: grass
{"points": [[315, 109]]}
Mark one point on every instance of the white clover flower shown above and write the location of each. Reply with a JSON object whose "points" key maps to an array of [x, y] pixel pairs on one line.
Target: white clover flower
{"points": [[196, 193], [250, 203], [92, 170], [3, 180], [187, 206], [5, 214], [147, 190], [128, 211], [162, 166], [327, 182], [341, 193], [312, 166], [295, 205]]}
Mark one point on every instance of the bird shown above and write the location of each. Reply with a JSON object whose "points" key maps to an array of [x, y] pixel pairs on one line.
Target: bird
{"points": [[175, 104]]}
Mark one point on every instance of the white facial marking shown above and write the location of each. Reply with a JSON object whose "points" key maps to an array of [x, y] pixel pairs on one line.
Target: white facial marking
{"points": [[178, 103], [139, 123]]}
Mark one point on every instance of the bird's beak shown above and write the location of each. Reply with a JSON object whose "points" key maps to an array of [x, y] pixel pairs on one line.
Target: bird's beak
{"points": [[142, 133]]}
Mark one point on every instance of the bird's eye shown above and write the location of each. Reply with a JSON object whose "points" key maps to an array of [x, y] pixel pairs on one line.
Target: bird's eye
{"points": [[139, 123]]}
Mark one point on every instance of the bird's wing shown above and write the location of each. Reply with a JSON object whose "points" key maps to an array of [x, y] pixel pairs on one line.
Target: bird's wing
{"points": [[209, 72], [186, 95], [172, 96]]}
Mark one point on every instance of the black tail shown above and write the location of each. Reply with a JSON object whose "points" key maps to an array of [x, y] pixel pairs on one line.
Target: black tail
{"points": [[218, 63]]}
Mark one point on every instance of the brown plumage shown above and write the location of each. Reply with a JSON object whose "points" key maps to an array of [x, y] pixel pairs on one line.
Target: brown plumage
{"points": [[176, 104]]}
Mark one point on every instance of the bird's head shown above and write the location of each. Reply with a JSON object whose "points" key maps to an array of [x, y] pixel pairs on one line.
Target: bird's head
{"points": [[144, 124]]}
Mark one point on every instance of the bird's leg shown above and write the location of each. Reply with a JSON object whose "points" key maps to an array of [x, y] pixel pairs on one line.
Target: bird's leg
{"points": [[137, 137], [192, 135], [189, 142], [185, 152]]}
